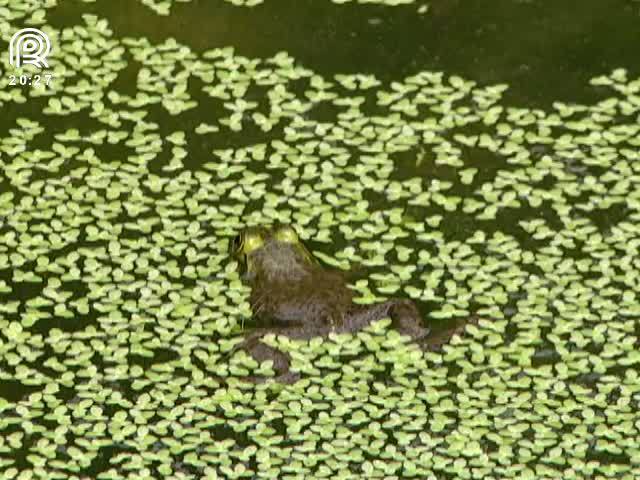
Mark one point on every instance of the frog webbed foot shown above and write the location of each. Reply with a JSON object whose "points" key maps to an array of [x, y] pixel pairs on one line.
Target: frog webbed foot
{"points": [[335, 321]]}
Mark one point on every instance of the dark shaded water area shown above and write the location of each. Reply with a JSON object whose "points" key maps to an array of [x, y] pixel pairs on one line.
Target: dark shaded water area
{"points": [[545, 50]]}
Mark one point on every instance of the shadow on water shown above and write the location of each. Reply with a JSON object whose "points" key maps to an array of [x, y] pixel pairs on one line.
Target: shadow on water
{"points": [[544, 50]]}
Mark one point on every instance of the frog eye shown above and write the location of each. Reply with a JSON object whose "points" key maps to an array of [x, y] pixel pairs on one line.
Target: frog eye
{"points": [[286, 233], [238, 241], [253, 240]]}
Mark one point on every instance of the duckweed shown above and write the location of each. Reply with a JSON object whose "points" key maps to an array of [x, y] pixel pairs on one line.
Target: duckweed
{"points": [[119, 306]]}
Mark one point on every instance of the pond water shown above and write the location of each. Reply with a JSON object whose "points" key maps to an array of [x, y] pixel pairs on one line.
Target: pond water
{"points": [[479, 159]]}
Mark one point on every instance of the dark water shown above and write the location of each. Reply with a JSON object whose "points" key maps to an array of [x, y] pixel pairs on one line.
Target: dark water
{"points": [[545, 50]]}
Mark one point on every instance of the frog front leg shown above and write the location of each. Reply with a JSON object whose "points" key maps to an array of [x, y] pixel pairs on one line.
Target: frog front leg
{"points": [[260, 351]]}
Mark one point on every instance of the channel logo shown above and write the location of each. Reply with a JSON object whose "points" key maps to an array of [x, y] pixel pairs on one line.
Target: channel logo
{"points": [[29, 46]]}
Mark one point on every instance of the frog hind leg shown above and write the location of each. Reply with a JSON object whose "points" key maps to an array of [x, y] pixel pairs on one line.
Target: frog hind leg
{"points": [[407, 319], [404, 315], [437, 339]]}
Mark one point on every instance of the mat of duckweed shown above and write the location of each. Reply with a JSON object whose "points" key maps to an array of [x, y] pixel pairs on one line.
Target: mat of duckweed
{"points": [[118, 301]]}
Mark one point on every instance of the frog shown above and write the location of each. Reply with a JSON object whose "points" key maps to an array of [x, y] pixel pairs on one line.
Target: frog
{"points": [[293, 294]]}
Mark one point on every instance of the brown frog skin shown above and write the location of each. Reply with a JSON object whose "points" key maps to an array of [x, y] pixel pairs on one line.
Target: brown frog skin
{"points": [[297, 297]]}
